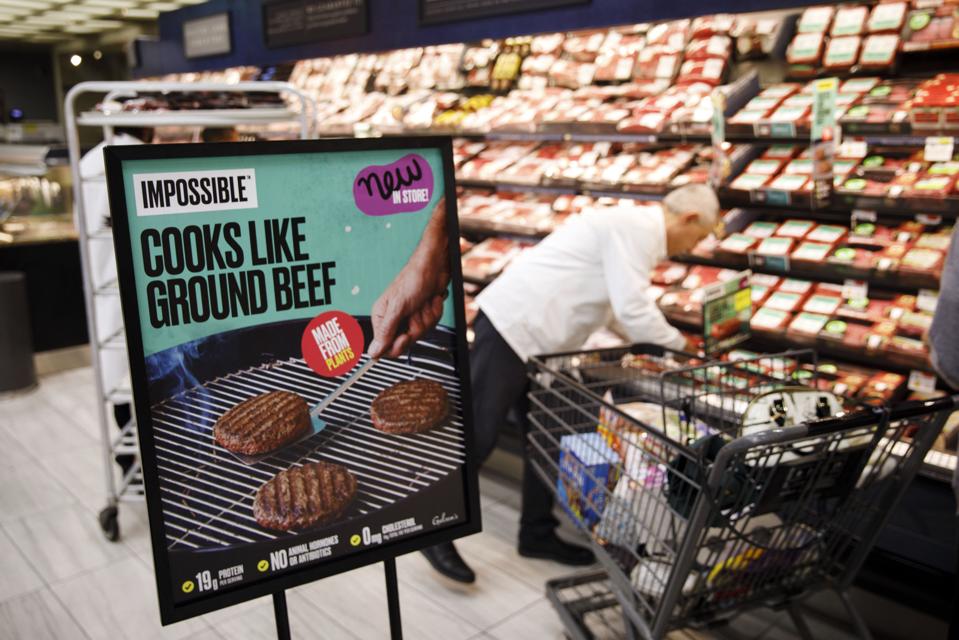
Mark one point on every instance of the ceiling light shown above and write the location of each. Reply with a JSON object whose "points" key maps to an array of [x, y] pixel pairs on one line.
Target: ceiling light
{"points": [[75, 60], [19, 27], [46, 37], [97, 54], [103, 24], [81, 29], [44, 21], [114, 4], [164, 6], [140, 13], [92, 11], [26, 4], [66, 16]]}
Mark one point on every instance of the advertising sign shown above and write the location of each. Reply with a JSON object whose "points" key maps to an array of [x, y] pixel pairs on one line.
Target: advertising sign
{"points": [[439, 11], [295, 327], [727, 308], [208, 36], [291, 22]]}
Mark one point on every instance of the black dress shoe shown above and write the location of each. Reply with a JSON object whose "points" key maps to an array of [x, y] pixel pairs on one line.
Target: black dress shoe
{"points": [[445, 559], [552, 548]]}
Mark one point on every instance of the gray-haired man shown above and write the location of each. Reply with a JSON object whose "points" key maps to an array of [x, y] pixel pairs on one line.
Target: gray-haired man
{"points": [[552, 297]]}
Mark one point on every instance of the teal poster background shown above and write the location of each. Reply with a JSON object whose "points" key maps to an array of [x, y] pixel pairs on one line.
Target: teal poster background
{"points": [[368, 250]]}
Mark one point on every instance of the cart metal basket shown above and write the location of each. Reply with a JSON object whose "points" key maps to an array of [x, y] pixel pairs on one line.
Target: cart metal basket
{"points": [[696, 509]]}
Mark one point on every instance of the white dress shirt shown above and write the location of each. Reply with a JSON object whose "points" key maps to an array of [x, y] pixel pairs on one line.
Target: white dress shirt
{"points": [[588, 272]]}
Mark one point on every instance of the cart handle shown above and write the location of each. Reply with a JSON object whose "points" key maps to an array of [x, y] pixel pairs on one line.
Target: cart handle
{"points": [[830, 425]]}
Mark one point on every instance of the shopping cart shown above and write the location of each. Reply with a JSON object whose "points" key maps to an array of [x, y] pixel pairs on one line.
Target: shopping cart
{"points": [[708, 488]]}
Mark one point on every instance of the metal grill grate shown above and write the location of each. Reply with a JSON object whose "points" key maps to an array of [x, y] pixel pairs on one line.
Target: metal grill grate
{"points": [[207, 494]]}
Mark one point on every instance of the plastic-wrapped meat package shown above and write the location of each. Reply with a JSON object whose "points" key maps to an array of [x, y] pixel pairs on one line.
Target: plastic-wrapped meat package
{"points": [[719, 24], [551, 43], [570, 74], [657, 63], [849, 21], [815, 20], [841, 53], [643, 122], [614, 67], [712, 47], [538, 64], [887, 17], [708, 70], [879, 51], [584, 47], [673, 34], [805, 49]]}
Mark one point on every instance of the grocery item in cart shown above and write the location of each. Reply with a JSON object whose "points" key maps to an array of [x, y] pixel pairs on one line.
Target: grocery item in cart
{"points": [[588, 472]]}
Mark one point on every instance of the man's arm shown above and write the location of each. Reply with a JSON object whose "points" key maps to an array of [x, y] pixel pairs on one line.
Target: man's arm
{"points": [[413, 303], [627, 279]]}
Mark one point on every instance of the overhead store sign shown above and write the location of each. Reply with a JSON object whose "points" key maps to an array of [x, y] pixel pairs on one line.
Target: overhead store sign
{"points": [[275, 450], [209, 36], [294, 22], [439, 11]]}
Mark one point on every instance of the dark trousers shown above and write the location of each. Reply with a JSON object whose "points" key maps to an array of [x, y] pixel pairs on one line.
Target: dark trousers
{"points": [[499, 384]]}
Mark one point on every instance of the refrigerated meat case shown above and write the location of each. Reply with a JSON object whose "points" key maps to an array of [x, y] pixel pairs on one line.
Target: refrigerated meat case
{"points": [[294, 107]]}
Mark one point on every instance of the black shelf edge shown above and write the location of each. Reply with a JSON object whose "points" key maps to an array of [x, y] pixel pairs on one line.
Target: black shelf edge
{"points": [[770, 342], [890, 281]]}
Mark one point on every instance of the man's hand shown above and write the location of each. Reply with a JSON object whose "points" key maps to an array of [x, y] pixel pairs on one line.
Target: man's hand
{"points": [[413, 303]]}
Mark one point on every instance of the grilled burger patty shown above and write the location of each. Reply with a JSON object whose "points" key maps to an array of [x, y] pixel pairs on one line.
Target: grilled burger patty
{"points": [[303, 497], [263, 423], [412, 406]]}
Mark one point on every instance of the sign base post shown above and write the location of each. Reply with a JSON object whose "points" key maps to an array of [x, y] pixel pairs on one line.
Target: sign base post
{"points": [[281, 615], [393, 599]]}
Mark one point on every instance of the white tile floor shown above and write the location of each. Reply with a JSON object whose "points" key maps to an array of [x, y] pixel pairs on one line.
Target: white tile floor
{"points": [[59, 578]]}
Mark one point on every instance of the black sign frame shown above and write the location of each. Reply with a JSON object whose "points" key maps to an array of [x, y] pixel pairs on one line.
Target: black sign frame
{"points": [[114, 157], [517, 6], [308, 37]]}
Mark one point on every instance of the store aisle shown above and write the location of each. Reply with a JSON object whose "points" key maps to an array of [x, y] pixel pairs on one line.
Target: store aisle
{"points": [[61, 579]]}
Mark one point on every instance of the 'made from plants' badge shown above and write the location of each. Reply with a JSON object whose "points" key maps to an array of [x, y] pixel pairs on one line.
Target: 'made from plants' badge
{"points": [[403, 186]]}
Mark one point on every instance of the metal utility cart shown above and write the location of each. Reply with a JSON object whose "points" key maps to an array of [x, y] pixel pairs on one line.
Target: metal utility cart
{"points": [[294, 106], [709, 488]]}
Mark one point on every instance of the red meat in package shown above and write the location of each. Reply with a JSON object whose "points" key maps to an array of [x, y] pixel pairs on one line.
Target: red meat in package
{"points": [[713, 47], [673, 34], [657, 63], [709, 71], [719, 24]]}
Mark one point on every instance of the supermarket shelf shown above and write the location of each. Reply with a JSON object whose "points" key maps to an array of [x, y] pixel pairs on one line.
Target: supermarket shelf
{"points": [[766, 341], [945, 206], [546, 189], [488, 227], [198, 117], [893, 281], [516, 187], [885, 134]]}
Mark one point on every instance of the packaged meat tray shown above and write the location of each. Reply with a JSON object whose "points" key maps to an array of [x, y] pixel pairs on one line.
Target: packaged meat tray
{"points": [[767, 319], [807, 324], [879, 51], [842, 53], [812, 252], [775, 246], [815, 20], [761, 229], [806, 49], [849, 21], [738, 243], [887, 17], [795, 228]]}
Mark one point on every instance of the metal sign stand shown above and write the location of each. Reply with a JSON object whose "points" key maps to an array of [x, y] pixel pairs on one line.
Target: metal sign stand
{"points": [[392, 602]]}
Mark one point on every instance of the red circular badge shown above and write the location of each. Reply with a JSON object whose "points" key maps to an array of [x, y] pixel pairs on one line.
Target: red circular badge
{"points": [[332, 343]]}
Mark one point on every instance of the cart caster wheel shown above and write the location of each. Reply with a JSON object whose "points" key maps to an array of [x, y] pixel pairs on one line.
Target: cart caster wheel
{"points": [[110, 524]]}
